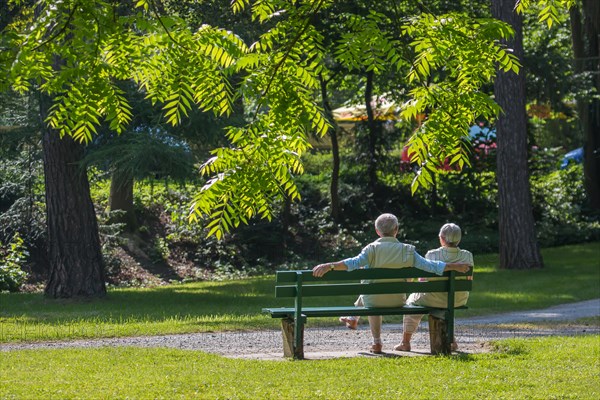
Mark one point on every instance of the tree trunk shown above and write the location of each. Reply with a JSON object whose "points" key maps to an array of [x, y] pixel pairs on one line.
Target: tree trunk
{"points": [[74, 256], [585, 34], [121, 198], [286, 217], [372, 127], [336, 213], [519, 248], [335, 153]]}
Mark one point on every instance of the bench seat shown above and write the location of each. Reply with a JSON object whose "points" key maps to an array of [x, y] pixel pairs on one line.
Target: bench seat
{"points": [[289, 312]]}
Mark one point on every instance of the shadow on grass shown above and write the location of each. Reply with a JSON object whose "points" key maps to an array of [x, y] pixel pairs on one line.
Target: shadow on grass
{"points": [[192, 300]]}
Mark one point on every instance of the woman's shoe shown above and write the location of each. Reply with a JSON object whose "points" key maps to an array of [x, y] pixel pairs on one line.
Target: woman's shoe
{"points": [[351, 322], [402, 347]]}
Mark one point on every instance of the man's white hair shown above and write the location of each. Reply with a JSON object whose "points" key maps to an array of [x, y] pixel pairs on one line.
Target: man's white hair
{"points": [[386, 224]]}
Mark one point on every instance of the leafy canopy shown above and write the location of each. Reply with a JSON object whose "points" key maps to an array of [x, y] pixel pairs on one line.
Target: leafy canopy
{"points": [[549, 10], [454, 57], [79, 51]]}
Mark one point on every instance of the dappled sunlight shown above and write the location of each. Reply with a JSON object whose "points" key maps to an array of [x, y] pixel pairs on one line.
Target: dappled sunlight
{"points": [[516, 297], [183, 308], [583, 251], [486, 260], [477, 270], [27, 329]]}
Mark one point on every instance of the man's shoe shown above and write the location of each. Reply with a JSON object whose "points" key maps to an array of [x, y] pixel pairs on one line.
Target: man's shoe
{"points": [[402, 347], [453, 346], [351, 322], [376, 348]]}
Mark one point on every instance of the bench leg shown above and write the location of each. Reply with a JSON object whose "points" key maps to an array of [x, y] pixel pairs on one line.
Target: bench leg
{"points": [[438, 336], [289, 342]]}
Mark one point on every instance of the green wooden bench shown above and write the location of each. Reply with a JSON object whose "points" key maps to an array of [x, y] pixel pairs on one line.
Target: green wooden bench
{"points": [[302, 284]]}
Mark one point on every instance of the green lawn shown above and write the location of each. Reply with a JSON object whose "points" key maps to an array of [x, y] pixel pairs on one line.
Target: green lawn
{"points": [[572, 274], [545, 368], [538, 368]]}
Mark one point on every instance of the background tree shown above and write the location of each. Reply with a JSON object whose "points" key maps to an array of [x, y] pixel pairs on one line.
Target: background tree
{"points": [[551, 84], [148, 148], [584, 16], [335, 153], [146, 152], [21, 210], [519, 248], [585, 29]]}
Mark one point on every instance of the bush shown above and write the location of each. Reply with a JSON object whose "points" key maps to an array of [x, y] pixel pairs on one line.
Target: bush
{"points": [[559, 200], [22, 206], [12, 259]]}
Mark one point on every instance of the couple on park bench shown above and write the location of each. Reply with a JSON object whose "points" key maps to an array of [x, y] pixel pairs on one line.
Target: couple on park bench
{"points": [[389, 252]]}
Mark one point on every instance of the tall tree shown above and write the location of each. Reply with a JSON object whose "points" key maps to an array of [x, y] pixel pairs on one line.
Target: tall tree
{"points": [[372, 133], [585, 30], [585, 35], [335, 153], [75, 259], [519, 248], [74, 253]]}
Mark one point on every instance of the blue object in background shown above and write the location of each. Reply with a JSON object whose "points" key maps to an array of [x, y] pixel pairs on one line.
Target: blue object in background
{"points": [[575, 156], [483, 133]]}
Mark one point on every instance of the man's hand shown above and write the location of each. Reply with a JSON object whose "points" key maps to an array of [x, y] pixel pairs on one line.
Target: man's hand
{"points": [[459, 267], [321, 270]]}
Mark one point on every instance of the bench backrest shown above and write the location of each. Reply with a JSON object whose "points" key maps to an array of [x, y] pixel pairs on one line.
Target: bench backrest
{"points": [[337, 283]]}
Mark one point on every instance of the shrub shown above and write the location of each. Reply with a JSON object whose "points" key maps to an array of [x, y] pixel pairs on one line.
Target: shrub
{"points": [[110, 241], [559, 207], [12, 259]]}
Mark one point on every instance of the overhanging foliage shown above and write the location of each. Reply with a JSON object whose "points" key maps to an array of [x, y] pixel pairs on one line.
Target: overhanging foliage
{"points": [[100, 43]]}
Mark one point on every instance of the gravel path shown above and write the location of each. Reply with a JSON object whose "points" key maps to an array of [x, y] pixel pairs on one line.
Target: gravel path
{"points": [[472, 334]]}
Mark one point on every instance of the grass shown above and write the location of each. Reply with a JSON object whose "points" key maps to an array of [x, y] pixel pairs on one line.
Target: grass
{"points": [[572, 274], [520, 369], [185, 308]]}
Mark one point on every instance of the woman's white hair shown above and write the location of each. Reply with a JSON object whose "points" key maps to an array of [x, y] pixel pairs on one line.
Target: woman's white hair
{"points": [[451, 234], [386, 224]]}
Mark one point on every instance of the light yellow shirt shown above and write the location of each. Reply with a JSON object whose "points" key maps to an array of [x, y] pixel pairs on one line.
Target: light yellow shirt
{"points": [[440, 299]]}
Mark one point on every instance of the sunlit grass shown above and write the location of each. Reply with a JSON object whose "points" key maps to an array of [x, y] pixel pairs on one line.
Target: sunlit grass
{"points": [[19, 330], [192, 307], [572, 273], [540, 368]]}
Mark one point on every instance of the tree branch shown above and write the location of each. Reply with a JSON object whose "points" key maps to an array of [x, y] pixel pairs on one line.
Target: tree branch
{"points": [[61, 31]]}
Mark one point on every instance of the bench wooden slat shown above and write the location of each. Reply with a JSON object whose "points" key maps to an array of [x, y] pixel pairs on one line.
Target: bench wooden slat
{"points": [[283, 312], [370, 288]]}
